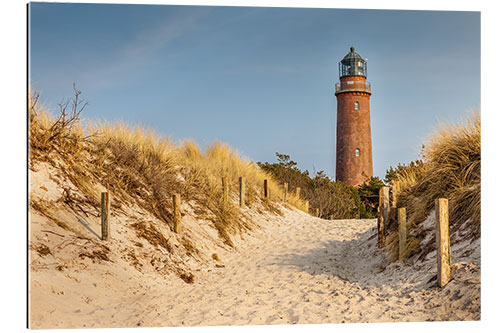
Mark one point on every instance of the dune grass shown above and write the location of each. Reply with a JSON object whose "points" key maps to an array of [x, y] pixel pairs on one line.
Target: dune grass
{"points": [[451, 169], [138, 166]]}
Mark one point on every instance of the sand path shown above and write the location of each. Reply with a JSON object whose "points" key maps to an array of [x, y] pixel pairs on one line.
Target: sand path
{"points": [[301, 270], [297, 269], [295, 273]]}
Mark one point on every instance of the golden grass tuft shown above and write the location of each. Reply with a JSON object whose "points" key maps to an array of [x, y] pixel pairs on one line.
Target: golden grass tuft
{"points": [[295, 201]]}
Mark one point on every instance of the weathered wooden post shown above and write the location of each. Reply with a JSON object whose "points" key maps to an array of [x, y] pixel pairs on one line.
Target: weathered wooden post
{"points": [[266, 190], [307, 206], [285, 190], [395, 193], [225, 190], [297, 192], [402, 231], [104, 216], [317, 212], [383, 213], [176, 199], [242, 192], [443, 242]]}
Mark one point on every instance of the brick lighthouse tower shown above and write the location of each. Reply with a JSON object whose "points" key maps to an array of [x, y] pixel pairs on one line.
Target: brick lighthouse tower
{"points": [[354, 140]]}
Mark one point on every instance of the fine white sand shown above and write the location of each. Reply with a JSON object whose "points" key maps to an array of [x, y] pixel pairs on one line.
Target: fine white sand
{"points": [[289, 269]]}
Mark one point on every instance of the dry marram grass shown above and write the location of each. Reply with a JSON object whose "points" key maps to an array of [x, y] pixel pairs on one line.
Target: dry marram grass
{"points": [[452, 170], [137, 165]]}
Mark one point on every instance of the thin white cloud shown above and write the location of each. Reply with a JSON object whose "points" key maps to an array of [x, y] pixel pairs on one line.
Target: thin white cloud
{"points": [[140, 49], [161, 33]]}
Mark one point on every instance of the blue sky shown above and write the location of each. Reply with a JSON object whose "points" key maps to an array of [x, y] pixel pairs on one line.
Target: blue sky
{"points": [[260, 79]]}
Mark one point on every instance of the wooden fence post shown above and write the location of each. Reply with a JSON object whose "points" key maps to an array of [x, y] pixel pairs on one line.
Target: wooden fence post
{"points": [[266, 190], [307, 206], [297, 192], [402, 231], [176, 199], [395, 193], [104, 216], [225, 189], [443, 242], [285, 190], [317, 212], [383, 213], [242, 192]]}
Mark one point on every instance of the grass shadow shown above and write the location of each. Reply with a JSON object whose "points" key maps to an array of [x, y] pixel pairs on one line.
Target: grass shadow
{"points": [[86, 226]]}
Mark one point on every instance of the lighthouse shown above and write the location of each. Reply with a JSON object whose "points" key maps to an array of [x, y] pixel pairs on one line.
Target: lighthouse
{"points": [[354, 140]]}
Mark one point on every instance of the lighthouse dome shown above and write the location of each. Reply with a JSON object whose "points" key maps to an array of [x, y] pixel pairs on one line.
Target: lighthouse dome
{"points": [[352, 64]]}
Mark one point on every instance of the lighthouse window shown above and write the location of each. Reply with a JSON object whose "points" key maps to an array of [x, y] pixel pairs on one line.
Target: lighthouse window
{"points": [[358, 152], [356, 105]]}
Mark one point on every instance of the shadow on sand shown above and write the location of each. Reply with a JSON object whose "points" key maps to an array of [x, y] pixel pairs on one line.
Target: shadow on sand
{"points": [[356, 260], [86, 226]]}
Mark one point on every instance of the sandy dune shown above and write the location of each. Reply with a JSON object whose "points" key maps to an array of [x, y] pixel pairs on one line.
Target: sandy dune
{"points": [[297, 269]]}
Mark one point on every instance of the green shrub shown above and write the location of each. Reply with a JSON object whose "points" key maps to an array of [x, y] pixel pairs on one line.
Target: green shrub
{"points": [[333, 199]]}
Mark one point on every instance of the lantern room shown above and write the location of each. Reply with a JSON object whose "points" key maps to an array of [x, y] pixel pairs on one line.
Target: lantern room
{"points": [[352, 65]]}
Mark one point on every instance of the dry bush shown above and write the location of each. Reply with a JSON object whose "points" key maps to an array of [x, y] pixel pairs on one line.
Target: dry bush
{"points": [[63, 133], [332, 199], [452, 170]]}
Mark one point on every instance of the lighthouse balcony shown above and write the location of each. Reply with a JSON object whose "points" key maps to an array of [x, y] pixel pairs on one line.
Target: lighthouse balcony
{"points": [[351, 86]]}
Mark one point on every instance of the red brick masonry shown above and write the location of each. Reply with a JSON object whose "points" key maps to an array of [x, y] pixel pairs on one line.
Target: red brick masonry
{"points": [[353, 131]]}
